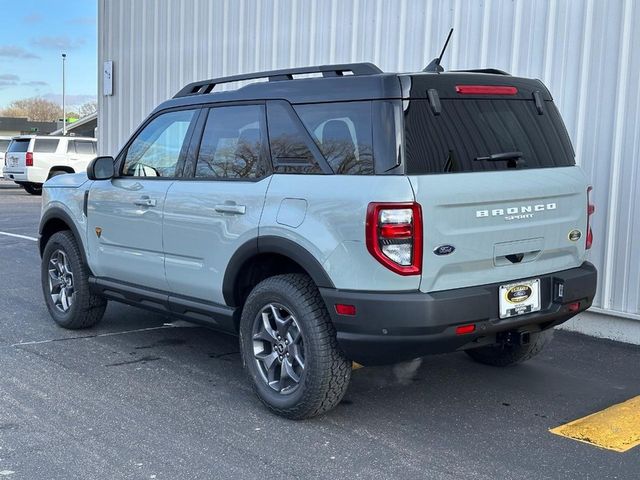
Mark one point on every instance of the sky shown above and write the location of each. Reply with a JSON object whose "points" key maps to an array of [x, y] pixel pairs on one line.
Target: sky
{"points": [[33, 36]]}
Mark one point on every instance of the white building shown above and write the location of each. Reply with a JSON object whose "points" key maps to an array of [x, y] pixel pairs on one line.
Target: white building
{"points": [[583, 50]]}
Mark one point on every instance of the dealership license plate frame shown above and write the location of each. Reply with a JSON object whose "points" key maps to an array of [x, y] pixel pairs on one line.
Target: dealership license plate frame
{"points": [[530, 304]]}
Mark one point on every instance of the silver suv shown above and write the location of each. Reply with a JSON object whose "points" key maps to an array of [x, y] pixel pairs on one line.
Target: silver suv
{"points": [[347, 216]]}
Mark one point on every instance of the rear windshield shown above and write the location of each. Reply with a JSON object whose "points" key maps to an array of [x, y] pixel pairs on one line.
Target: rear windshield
{"points": [[3, 145], [19, 146], [467, 130], [45, 145]]}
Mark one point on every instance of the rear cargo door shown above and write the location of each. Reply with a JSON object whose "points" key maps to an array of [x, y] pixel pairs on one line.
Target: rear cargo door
{"points": [[501, 197], [16, 155]]}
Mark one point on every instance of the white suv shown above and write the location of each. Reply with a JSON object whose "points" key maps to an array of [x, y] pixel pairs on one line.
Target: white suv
{"points": [[31, 160]]}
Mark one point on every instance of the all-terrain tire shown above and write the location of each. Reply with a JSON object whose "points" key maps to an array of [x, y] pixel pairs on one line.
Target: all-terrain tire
{"points": [[507, 355], [32, 188], [327, 371], [86, 308]]}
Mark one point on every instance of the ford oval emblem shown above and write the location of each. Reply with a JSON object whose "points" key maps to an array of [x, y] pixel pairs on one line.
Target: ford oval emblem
{"points": [[444, 250]]}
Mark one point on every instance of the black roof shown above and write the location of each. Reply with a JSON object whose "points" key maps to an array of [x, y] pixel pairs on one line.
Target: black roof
{"points": [[25, 125], [365, 81]]}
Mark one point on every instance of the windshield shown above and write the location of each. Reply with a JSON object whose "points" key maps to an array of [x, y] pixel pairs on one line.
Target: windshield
{"points": [[469, 135]]}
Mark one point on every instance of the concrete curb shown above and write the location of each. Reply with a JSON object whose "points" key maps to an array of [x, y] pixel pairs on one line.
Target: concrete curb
{"points": [[595, 324]]}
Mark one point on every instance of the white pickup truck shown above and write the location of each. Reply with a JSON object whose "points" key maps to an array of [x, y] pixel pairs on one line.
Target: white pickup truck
{"points": [[31, 160]]}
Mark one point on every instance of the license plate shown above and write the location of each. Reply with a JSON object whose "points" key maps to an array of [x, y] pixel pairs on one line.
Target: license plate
{"points": [[519, 298]]}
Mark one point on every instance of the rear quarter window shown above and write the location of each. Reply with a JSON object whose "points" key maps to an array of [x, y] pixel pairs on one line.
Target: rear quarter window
{"points": [[470, 129], [45, 145], [343, 133]]}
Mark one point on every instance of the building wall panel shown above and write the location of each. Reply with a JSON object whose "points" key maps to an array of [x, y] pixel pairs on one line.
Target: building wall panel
{"points": [[582, 49]]}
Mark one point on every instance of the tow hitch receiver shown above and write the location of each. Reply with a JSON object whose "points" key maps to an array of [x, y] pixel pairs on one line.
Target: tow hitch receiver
{"points": [[513, 338]]}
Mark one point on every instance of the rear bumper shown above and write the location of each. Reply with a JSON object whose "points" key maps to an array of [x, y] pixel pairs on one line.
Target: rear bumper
{"points": [[391, 327], [26, 175]]}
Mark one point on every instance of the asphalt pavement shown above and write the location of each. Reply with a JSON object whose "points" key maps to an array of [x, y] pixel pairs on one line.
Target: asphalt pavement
{"points": [[145, 396]]}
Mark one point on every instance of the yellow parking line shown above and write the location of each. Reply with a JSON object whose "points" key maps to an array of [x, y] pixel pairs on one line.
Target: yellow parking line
{"points": [[615, 428]]}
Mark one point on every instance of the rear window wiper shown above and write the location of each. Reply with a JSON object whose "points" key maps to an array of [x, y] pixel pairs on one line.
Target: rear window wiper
{"points": [[497, 157], [514, 158]]}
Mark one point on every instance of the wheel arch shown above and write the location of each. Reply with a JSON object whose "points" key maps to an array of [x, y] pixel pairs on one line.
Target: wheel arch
{"points": [[266, 256], [60, 168], [56, 220]]}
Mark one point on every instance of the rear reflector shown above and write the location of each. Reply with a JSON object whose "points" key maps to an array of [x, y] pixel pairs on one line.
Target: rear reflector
{"points": [[486, 90], [342, 309], [574, 307], [465, 329]]}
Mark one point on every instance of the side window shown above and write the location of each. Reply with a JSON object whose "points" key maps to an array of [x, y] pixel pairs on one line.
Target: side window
{"points": [[288, 142], [71, 146], [232, 143], [84, 147], [45, 145], [342, 131], [157, 148]]}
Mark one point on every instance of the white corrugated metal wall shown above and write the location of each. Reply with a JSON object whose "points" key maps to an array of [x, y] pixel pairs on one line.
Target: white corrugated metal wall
{"points": [[581, 49]]}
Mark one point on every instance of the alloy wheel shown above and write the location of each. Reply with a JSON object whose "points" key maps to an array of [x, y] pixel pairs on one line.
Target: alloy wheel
{"points": [[61, 286], [278, 348]]}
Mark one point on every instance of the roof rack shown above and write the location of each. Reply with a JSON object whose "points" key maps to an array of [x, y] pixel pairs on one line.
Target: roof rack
{"points": [[493, 71], [206, 86]]}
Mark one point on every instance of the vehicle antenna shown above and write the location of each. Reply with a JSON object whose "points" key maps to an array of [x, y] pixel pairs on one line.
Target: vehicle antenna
{"points": [[434, 66]]}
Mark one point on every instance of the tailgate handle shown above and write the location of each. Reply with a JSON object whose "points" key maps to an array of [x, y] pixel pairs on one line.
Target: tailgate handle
{"points": [[515, 257]]}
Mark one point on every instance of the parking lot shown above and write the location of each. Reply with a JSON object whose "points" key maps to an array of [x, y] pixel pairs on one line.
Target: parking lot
{"points": [[147, 396]]}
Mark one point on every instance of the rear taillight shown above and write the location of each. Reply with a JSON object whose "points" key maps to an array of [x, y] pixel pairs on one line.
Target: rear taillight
{"points": [[591, 208], [486, 90], [394, 236], [29, 159]]}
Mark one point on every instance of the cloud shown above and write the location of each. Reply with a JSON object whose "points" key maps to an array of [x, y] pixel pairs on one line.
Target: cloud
{"points": [[12, 51], [71, 100], [35, 83], [32, 18], [83, 21], [8, 80], [61, 42]]}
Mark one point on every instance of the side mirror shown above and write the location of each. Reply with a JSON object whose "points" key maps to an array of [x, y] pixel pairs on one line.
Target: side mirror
{"points": [[101, 168]]}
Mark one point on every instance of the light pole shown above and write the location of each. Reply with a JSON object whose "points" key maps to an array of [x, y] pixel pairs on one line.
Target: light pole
{"points": [[64, 110]]}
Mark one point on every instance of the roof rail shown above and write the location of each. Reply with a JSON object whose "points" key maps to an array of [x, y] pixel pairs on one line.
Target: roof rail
{"points": [[493, 71], [206, 86]]}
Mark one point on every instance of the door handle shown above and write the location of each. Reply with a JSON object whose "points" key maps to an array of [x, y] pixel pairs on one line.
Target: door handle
{"points": [[229, 208], [145, 202]]}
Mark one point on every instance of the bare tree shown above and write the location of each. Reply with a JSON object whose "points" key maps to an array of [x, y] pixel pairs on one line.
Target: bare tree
{"points": [[87, 109], [35, 109]]}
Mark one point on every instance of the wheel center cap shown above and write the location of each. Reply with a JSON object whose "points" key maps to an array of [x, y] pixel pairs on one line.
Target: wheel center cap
{"points": [[280, 348]]}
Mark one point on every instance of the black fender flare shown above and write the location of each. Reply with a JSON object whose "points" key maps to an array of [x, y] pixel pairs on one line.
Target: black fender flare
{"points": [[272, 244], [57, 213]]}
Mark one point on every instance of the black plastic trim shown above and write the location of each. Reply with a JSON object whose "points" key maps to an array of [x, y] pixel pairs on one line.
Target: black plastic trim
{"points": [[394, 326], [211, 314], [55, 213], [277, 245]]}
